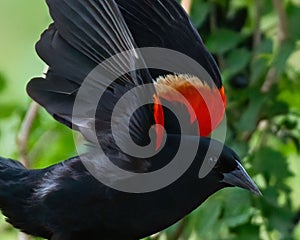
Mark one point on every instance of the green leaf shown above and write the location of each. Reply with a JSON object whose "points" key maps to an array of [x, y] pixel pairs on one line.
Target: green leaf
{"points": [[269, 24], [273, 107], [207, 217], [271, 163], [282, 55], [237, 209], [236, 61], [7, 110], [2, 82], [246, 232], [199, 12], [289, 93], [281, 219], [8, 132], [250, 115], [297, 232], [293, 12], [293, 63], [260, 63], [223, 40]]}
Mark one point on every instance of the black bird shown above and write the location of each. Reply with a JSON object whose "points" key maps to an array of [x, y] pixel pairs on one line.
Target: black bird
{"points": [[67, 201]]}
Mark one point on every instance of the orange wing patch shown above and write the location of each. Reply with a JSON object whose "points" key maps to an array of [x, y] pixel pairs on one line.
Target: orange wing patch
{"points": [[205, 104]]}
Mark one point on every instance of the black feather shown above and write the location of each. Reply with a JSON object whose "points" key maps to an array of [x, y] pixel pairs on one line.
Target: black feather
{"points": [[165, 24]]}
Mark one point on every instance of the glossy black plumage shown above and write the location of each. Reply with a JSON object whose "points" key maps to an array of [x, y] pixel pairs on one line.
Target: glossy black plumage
{"points": [[64, 201], [165, 24]]}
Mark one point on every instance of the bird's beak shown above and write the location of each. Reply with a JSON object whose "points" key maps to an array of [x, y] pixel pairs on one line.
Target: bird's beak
{"points": [[240, 178]]}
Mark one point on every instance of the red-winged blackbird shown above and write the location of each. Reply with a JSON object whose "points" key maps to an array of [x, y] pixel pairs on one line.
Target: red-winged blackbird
{"points": [[65, 201]]}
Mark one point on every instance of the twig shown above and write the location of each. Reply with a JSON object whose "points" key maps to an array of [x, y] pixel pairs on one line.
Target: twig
{"points": [[187, 5], [257, 32], [22, 139], [283, 23], [282, 36]]}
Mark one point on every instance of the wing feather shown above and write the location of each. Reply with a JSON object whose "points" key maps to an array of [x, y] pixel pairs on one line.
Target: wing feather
{"points": [[165, 24], [84, 34]]}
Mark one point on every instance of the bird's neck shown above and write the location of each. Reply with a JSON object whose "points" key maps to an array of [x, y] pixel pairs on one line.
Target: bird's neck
{"points": [[170, 204]]}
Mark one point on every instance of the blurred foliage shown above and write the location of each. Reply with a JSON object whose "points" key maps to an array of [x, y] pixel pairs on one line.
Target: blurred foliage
{"points": [[263, 126]]}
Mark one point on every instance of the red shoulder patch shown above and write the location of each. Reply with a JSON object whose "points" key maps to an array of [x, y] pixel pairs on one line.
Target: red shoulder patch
{"points": [[204, 104]]}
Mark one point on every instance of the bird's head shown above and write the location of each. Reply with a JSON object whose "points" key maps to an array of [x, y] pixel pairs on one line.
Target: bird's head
{"points": [[223, 167]]}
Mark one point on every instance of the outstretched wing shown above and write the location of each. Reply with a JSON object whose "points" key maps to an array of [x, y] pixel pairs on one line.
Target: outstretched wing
{"points": [[85, 33], [165, 24]]}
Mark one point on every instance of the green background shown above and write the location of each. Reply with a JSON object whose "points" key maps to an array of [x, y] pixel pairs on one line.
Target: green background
{"points": [[263, 127]]}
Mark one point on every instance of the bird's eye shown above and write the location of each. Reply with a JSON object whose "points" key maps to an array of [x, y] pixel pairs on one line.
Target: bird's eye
{"points": [[213, 160]]}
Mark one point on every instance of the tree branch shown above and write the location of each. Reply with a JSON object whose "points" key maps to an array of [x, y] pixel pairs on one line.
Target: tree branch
{"points": [[282, 36], [257, 30], [23, 136], [283, 32]]}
